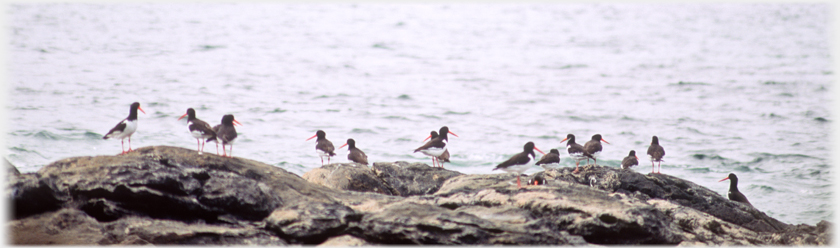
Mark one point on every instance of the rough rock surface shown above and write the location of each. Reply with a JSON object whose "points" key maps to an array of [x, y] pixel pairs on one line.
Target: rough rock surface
{"points": [[168, 195]]}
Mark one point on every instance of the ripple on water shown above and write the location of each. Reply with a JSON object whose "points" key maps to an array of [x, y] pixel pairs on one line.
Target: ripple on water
{"points": [[46, 135], [362, 130]]}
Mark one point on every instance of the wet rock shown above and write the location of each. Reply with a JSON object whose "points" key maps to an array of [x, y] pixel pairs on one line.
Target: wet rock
{"points": [[311, 223], [679, 191], [409, 179], [168, 195]]}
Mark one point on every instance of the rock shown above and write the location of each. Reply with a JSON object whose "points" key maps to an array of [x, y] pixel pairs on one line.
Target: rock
{"points": [[167, 195], [345, 240], [679, 191], [409, 179], [65, 227], [311, 223], [348, 176]]}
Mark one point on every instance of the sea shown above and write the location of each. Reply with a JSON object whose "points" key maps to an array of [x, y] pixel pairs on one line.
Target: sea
{"points": [[740, 88]]}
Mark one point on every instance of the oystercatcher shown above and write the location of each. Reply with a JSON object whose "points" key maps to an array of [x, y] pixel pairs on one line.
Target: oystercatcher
{"points": [[437, 146], [355, 154], [593, 147], [225, 133], [323, 147], [656, 153], [443, 157], [733, 193], [576, 151], [537, 180], [550, 160], [126, 127], [520, 162], [630, 160], [199, 129]]}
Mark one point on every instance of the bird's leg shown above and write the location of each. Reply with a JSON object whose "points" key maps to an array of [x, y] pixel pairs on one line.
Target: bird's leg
{"points": [[198, 145], [231, 151], [518, 184], [129, 143], [660, 167], [652, 168], [217, 148], [224, 152], [322, 160], [577, 163], [122, 146]]}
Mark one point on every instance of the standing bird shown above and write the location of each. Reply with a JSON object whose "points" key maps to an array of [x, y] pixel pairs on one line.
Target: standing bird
{"points": [[576, 151], [199, 129], [126, 127], [593, 147], [733, 193], [550, 160], [443, 157], [520, 162], [225, 133], [656, 153], [323, 147], [355, 154], [630, 160], [437, 146]]}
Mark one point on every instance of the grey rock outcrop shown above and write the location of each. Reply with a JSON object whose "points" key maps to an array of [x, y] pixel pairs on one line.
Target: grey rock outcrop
{"points": [[169, 195]]}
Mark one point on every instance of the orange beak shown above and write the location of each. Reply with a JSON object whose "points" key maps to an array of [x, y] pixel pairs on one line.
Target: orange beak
{"points": [[721, 180], [563, 140], [236, 122], [427, 138], [313, 136], [179, 118], [453, 133], [538, 149], [141, 109], [345, 144], [602, 140]]}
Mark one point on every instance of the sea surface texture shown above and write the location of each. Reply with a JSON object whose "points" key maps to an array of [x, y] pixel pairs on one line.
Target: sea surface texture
{"points": [[727, 88]]}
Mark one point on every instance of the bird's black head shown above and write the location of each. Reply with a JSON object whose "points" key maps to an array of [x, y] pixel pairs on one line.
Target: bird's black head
{"points": [[321, 134], [351, 143], [733, 177], [434, 134], [191, 113], [655, 140], [529, 147], [632, 153], [570, 138], [555, 151], [227, 120], [596, 137]]}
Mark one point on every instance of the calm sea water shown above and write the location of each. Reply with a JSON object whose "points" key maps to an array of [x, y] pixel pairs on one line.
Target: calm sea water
{"points": [[741, 88]]}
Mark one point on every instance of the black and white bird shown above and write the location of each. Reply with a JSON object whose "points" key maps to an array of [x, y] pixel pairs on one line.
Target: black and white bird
{"points": [[593, 147], [444, 157], [576, 151], [520, 162], [437, 146], [630, 160], [550, 160], [225, 133], [199, 129], [355, 154], [656, 153], [126, 127], [323, 147], [734, 194]]}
